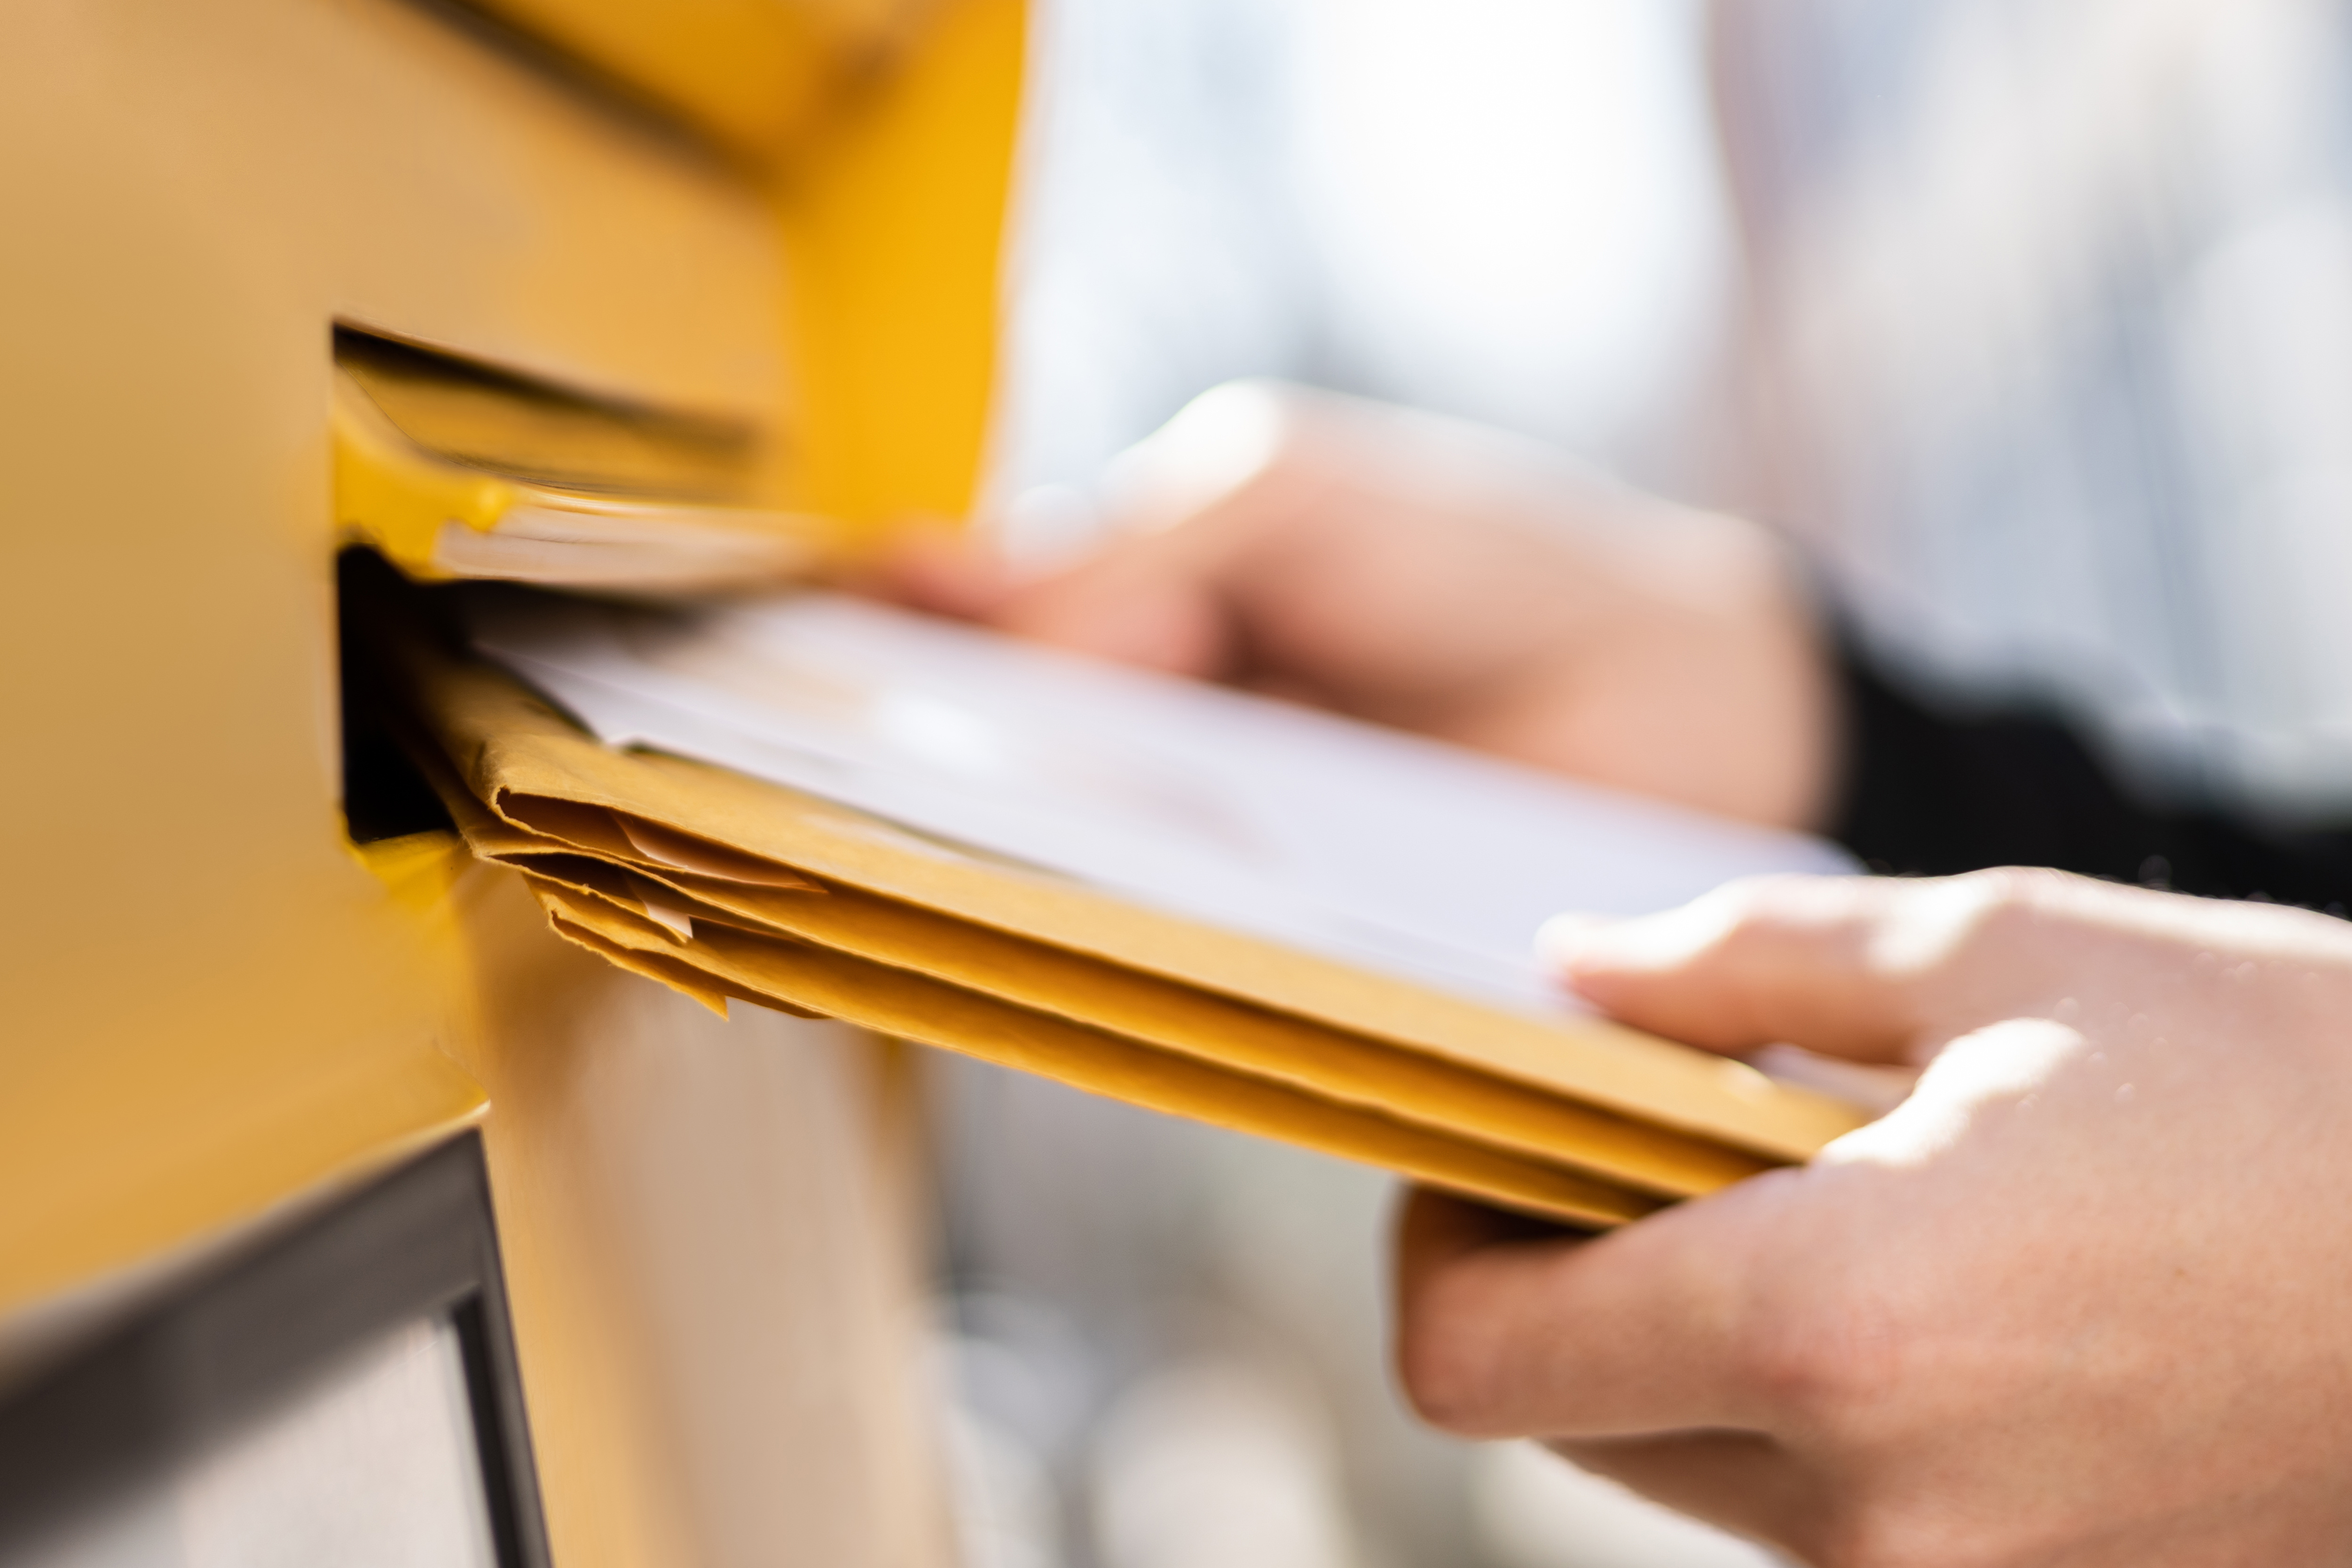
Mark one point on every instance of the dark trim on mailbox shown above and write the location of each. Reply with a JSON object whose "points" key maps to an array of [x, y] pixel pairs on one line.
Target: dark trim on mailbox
{"points": [[185, 1372]]}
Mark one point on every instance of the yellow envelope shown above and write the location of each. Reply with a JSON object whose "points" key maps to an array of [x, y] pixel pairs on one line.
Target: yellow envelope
{"points": [[728, 887]]}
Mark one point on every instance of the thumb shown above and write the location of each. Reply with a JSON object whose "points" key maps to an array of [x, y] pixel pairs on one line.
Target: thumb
{"points": [[1503, 1332], [1181, 509], [1831, 963]]}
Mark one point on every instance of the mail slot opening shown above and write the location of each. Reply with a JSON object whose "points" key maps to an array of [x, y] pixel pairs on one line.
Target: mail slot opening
{"points": [[499, 421], [384, 794], [455, 469]]}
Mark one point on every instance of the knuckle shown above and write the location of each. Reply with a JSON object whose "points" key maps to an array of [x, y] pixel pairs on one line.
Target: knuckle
{"points": [[1998, 916], [1950, 925], [1888, 1534], [1747, 923], [1785, 908], [1827, 1361], [1763, 897], [1796, 1371], [1767, 929], [1914, 1525], [2006, 895]]}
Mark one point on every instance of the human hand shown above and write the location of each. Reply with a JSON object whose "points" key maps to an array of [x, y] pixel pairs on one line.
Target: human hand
{"points": [[2085, 1298], [1428, 575]]}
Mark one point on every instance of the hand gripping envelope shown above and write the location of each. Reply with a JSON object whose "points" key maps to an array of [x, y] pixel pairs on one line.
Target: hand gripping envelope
{"points": [[728, 888]]}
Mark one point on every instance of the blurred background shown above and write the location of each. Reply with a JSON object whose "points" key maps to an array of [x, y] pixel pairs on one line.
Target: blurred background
{"points": [[2033, 323], [1167, 1344], [2029, 323]]}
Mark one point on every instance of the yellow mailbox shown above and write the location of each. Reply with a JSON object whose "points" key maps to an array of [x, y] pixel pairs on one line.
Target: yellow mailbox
{"points": [[618, 274]]}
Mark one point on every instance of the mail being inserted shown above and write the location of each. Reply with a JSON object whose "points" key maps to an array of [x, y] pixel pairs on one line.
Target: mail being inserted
{"points": [[1189, 898]]}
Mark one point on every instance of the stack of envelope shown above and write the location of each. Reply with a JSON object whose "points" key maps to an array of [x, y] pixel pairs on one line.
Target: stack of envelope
{"points": [[727, 888]]}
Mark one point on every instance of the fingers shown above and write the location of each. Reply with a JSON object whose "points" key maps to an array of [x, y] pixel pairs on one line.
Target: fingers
{"points": [[1874, 969], [942, 569], [1506, 1332], [1218, 447], [1758, 961], [1183, 509], [1189, 508], [1147, 601], [1134, 601]]}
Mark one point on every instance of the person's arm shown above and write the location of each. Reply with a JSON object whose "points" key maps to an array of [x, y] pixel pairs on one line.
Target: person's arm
{"points": [[1428, 575], [1925, 790], [1442, 578], [2085, 1298]]}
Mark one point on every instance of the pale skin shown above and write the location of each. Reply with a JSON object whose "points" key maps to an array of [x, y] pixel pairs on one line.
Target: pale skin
{"points": [[2085, 1298], [1440, 579]]}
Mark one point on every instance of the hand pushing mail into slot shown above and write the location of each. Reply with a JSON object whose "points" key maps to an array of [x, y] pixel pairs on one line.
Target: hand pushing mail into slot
{"points": [[1195, 899]]}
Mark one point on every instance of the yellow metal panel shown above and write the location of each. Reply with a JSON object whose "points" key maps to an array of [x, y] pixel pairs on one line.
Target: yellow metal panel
{"points": [[488, 419], [209, 1001], [894, 221], [212, 1004], [891, 126], [748, 73]]}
